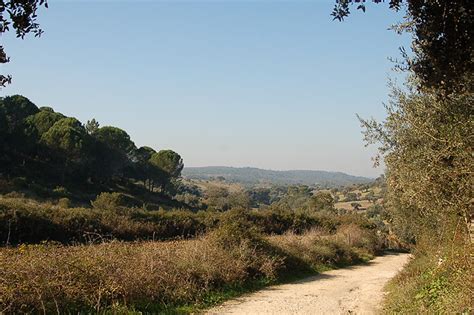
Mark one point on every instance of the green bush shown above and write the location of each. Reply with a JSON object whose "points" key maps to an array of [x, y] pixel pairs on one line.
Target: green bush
{"points": [[114, 201], [33, 222]]}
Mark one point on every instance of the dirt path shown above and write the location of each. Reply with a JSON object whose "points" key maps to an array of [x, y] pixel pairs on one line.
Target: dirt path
{"points": [[353, 290]]}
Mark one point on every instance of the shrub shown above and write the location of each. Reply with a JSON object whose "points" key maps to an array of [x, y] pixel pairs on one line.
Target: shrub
{"points": [[149, 276], [61, 191], [64, 203], [33, 222], [114, 201], [15, 194]]}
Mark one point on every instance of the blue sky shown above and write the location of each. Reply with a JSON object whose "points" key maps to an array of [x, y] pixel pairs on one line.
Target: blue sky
{"points": [[270, 84]]}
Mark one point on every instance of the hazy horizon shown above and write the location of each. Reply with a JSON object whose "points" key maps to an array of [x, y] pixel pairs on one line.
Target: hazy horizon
{"points": [[272, 85], [278, 170]]}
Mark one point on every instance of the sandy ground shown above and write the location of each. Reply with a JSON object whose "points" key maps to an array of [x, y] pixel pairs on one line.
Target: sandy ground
{"points": [[353, 290]]}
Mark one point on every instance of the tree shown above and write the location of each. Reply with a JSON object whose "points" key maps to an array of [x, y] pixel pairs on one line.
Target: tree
{"points": [[351, 196], [92, 126], [239, 199], [21, 16], [260, 196], [16, 109], [113, 151], [68, 140], [218, 198], [426, 142], [371, 197], [143, 154], [443, 42], [43, 120], [322, 201], [68, 136], [169, 162], [15, 145], [116, 139], [143, 170], [166, 167]]}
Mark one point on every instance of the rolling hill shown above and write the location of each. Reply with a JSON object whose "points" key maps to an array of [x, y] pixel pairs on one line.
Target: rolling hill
{"points": [[252, 176]]}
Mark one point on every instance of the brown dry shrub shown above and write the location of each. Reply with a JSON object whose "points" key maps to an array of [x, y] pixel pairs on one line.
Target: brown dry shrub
{"points": [[355, 236], [94, 277]]}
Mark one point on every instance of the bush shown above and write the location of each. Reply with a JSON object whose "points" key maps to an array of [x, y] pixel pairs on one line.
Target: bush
{"points": [[34, 222], [150, 276], [64, 203], [114, 201]]}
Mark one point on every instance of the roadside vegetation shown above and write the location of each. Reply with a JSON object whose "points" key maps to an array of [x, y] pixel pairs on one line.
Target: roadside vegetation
{"points": [[426, 142], [81, 205], [170, 276]]}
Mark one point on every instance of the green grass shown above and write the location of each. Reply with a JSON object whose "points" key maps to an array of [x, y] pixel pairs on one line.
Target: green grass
{"points": [[438, 281]]}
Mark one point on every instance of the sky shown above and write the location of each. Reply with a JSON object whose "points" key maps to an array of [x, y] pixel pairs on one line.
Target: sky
{"points": [[268, 84]]}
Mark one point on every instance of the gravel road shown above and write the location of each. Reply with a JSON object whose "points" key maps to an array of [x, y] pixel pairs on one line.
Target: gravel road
{"points": [[352, 290]]}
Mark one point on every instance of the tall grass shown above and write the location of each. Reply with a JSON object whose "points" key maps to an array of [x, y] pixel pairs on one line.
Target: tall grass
{"points": [[156, 276]]}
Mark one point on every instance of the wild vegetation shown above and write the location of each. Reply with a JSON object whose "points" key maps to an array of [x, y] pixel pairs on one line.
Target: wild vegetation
{"points": [[51, 155], [119, 254], [426, 142], [160, 276], [83, 214], [52, 166]]}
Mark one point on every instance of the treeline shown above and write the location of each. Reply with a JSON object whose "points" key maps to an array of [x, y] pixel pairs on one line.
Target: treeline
{"points": [[46, 146]]}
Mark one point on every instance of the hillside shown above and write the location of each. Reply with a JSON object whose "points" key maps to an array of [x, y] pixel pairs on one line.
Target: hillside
{"points": [[252, 176]]}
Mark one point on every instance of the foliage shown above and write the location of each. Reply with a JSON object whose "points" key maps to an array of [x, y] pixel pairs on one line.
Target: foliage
{"points": [[21, 16], [168, 161], [427, 143], [122, 217], [322, 201], [149, 277], [42, 121], [434, 282], [67, 137], [50, 149], [442, 41]]}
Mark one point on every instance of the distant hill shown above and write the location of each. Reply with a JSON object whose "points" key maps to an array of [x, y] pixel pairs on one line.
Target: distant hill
{"points": [[252, 176]]}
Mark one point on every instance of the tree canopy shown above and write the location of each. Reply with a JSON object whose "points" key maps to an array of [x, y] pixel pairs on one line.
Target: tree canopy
{"points": [[41, 144]]}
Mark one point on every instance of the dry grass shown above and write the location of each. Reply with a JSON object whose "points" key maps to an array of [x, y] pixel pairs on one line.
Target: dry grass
{"points": [[95, 277], [149, 276], [350, 244]]}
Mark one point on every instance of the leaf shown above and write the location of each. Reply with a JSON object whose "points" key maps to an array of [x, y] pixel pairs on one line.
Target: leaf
{"points": [[361, 7]]}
